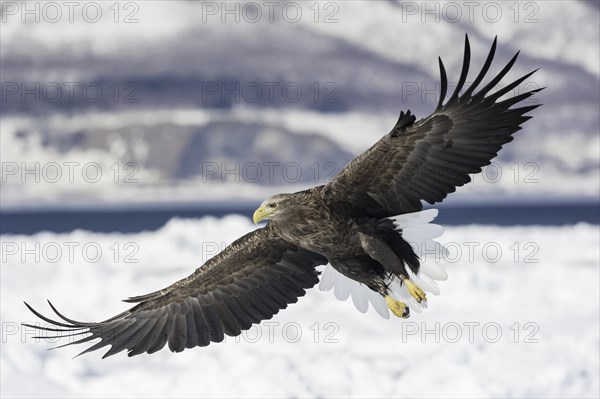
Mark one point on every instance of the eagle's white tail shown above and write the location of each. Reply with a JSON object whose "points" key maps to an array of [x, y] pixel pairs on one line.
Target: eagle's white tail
{"points": [[417, 230]]}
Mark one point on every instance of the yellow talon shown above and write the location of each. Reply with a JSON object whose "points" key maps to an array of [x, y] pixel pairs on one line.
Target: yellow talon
{"points": [[400, 309], [415, 291]]}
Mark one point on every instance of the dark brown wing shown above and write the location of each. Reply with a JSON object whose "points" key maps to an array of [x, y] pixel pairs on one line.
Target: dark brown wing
{"points": [[428, 159], [249, 281]]}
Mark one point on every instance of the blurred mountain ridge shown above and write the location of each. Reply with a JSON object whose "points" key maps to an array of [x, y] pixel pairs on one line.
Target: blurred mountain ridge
{"points": [[315, 92]]}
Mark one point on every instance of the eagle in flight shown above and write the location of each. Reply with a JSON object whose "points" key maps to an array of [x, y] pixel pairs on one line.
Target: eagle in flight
{"points": [[367, 225]]}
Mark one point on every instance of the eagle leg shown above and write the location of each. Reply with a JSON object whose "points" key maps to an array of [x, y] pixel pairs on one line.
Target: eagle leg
{"points": [[415, 291], [379, 250], [398, 308]]}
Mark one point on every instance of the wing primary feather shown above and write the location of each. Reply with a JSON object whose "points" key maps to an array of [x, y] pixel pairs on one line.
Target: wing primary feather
{"points": [[141, 333], [122, 339], [509, 102], [74, 322], [79, 341], [523, 110], [463, 74], [92, 348], [66, 329], [48, 320], [484, 69], [149, 337], [444, 84], [503, 91], [481, 93]]}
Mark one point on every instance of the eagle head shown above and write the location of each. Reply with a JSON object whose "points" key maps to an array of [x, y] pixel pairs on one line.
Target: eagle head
{"points": [[275, 208]]}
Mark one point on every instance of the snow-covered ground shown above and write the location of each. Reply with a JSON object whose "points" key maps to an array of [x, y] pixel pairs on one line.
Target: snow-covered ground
{"points": [[518, 317]]}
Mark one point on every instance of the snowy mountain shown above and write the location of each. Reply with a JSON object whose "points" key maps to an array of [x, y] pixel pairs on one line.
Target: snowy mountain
{"points": [[309, 85]]}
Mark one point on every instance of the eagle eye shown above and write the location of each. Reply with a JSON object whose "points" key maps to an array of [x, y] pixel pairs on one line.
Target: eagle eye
{"points": [[272, 205]]}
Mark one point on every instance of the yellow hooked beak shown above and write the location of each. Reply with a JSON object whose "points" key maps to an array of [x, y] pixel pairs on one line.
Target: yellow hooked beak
{"points": [[260, 214]]}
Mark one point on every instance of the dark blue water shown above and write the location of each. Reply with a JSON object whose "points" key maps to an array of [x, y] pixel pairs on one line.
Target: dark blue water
{"points": [[135, 220]]}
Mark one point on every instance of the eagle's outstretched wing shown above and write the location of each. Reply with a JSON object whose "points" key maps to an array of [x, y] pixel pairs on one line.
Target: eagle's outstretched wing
{"points": [[249, 281], [427, 159]]}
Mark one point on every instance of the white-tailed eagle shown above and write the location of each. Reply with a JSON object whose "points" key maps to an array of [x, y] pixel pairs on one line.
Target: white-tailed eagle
{"points": [[366, 224]]}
